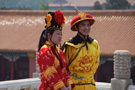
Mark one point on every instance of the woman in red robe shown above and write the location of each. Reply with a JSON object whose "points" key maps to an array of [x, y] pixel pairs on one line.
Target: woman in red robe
{"points": [[51, 60]]}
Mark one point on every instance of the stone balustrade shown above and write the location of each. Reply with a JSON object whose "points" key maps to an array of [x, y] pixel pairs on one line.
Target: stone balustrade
{"points": [[122, 64], [131, 87], [21, 84], [33, 84], [122, 73], [121, 80]]}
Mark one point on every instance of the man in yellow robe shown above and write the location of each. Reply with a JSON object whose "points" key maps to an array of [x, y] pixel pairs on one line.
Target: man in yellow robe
{"points": [[82, 53]]}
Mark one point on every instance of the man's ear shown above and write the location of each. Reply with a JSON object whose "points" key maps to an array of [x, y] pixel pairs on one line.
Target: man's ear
{"points": [[76, 27]]}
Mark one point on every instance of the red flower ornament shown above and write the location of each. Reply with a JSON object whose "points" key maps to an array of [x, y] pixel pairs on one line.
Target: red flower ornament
{"points": [[59, 17]]}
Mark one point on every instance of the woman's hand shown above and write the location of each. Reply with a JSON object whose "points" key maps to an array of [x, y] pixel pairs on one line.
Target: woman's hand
{"points": [[69, 87], [63, 88]]}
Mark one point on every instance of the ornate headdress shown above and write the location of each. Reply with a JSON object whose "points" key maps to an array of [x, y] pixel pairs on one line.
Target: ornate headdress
{"points": [[54, 20], [81, 17]]}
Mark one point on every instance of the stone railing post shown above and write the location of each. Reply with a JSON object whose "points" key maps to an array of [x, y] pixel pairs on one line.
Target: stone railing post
{"points": [[122, 73], [37, 73]]}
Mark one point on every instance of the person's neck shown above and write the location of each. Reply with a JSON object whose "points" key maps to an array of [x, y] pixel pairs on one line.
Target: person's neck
{"points": [[83, 37], [51, 41]]}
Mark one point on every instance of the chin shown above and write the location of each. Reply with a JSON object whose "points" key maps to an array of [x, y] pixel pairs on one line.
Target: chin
{"points": [[86, 34], [57, 43]]}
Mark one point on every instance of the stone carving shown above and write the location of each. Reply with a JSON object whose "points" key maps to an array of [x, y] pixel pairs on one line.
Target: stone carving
{"points": [[37, 67], [122, 64]]}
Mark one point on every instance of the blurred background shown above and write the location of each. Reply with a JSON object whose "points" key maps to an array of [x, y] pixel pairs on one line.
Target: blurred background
{"points": [[66, 4]]}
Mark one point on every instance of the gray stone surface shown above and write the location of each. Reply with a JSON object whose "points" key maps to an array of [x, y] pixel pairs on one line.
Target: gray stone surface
{"points": [[122, 73], [122, 64], [120, 84], [37, 67], [36, 75]]}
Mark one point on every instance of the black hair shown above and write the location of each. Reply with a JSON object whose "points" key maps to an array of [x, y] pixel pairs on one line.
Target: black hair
{"points": [[44, 37], [77, 27]]}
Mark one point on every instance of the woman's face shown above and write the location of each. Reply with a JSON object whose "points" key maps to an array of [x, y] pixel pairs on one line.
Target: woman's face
{"points": [[57, 37], [84, 27]]}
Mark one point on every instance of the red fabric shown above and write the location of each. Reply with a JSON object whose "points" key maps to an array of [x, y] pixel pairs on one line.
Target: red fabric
{"points": [[46, 59]]}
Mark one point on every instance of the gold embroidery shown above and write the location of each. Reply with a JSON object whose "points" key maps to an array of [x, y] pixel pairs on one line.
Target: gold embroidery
{"points": [[85, 64], [49, 53], [41, 53], [82, 15], [46, 57], [42, 66], [64, 70]]}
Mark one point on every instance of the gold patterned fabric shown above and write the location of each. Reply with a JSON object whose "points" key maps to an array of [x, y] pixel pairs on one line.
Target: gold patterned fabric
{"points": [[83, 60]]}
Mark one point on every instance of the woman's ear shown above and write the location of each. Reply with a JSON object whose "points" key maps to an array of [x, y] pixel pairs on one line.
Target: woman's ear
{"points": [[49, 36]]}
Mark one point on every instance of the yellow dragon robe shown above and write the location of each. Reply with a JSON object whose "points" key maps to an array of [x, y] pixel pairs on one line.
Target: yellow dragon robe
{"points": [[83, 60]]}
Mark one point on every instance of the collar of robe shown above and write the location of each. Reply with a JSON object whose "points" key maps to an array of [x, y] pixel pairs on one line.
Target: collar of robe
{"points": [[77, 40]]}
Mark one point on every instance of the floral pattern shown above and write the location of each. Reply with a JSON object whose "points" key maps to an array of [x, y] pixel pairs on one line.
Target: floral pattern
{"points": [[59, 17], [53, 76]]}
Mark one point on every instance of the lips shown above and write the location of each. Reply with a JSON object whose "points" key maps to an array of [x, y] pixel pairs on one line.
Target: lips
{"points": [[59, 40], [86, 31]]}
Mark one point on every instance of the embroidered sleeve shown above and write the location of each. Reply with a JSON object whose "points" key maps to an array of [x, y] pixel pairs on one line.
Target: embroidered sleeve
{"points": [[70, 54], [68, 77], [48, 71], [97, 57], [66, 70]]}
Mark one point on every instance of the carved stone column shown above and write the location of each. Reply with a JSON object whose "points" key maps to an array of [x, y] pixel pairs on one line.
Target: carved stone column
{"points": [[37, 74], [122, 73]]}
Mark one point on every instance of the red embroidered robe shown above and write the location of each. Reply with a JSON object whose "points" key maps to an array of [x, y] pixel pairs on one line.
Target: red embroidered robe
{"points": [[53, 75]]}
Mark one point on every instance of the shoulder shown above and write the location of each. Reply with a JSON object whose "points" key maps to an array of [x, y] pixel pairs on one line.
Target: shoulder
{"points": [[45, 55], [95, 43], [73, 42], [65, 43], [44, 51], [59, 50]]}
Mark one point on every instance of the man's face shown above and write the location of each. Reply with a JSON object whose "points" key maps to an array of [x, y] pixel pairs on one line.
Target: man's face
{"points": [[84, 27]]}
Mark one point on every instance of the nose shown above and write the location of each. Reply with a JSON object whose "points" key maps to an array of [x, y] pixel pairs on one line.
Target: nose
{"points": [[60, 36], [87, 27]]}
